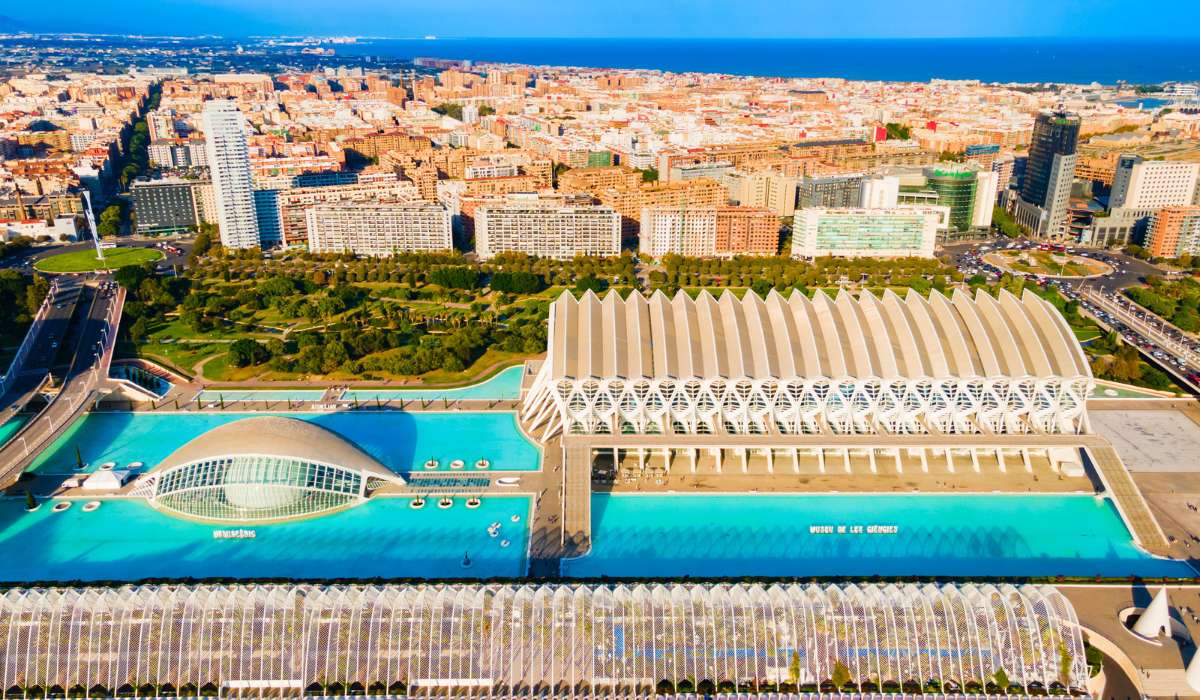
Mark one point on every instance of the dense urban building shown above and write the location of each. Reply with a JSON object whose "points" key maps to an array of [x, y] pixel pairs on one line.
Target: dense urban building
{"points": [[830, 191], [1150, 184], [378, 230], [630, 202], [164, 206], [547, 230], [715, 232], [1174, 231], [294, 202]]}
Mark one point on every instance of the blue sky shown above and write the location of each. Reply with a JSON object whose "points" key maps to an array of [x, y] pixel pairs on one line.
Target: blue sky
{"points": [[621, 18]]}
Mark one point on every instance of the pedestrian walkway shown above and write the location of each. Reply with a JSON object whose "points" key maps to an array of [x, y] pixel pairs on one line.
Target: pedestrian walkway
{"points": [[1128, 499]]}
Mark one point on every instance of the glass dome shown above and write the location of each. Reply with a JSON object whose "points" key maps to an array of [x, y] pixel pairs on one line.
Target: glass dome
{"points": [[256, 487], [262, 469]]}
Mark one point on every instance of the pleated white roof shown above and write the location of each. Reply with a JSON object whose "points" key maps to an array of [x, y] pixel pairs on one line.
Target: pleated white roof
{"points": [[886, 337]]}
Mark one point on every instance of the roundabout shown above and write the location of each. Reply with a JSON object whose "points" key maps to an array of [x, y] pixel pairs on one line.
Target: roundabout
{"points": [[1045, 263], [86, 260]]}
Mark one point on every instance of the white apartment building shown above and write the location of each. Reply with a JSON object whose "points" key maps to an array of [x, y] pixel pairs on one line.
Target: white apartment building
{"points": [[852, 233], [880, 192], [764, 189], [688, 232], [547, 231], [1153, 184], [229, 163], [378, 230], [486, 170], [987, 187]]}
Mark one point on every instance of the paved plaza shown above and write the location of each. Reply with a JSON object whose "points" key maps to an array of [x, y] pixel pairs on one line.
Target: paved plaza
{"points": [[1165, 440]]}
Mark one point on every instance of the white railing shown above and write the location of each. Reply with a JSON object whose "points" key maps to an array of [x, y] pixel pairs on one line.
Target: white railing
{"points": [[14, 367]]}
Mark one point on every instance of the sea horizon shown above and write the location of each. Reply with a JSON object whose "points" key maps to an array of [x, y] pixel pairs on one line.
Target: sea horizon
{"points": [[1006, 59]]}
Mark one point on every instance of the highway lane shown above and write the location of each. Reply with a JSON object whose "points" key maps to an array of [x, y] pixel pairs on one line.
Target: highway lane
{"points": [[1170, 350], [85, 375], [46, 345]]}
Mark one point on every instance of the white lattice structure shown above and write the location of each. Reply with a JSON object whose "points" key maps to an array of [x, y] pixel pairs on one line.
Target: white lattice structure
{"points": [[954, 365], [530, 640]]}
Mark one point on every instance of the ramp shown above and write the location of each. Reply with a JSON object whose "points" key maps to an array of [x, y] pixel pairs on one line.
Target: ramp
{"points": [[1128, 499]]}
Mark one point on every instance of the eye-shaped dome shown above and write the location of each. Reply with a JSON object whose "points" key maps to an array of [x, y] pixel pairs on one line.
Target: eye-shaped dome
{"points": [[261, 469]]}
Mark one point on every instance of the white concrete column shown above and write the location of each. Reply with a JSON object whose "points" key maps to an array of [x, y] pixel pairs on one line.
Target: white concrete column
{"points": [[924, 460], [975, 460], [949, 460], [846, 460], [692, 456], [717, 453], [871, 460], [899, 462], [1053, 463], [770, 461], [641, 452], [745, 460], [1000, 461], [795, 461], [821, 459]]}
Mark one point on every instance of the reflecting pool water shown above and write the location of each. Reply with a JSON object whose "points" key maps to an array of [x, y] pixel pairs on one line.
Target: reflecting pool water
{"points": [[798, 535], [401, 441], [127, 540], [11, 426], [505, 386]]}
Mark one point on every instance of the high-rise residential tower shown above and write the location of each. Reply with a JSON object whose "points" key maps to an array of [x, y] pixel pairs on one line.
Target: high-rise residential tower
{"points": [[229, 161], [1049, 174], [1150, 184]]}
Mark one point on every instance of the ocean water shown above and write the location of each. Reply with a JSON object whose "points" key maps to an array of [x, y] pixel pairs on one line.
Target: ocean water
{"points": [[771, 535], [990, 60]]}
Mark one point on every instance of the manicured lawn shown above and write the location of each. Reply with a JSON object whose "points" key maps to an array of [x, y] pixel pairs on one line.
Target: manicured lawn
{"points": [[85, 260]]}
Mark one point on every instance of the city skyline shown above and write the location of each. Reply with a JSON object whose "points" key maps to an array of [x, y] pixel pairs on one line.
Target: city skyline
{"points": [[543, 19], [584, 368]]}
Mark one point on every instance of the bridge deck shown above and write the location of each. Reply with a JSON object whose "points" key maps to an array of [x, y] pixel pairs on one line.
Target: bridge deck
{"points": [[85, 381]]}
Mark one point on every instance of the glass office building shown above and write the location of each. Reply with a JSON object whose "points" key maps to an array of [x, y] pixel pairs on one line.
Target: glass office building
{"points": [[955, 188]]}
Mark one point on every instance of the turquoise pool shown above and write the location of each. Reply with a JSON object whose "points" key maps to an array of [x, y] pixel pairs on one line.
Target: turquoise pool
{"points": [[11, 426], [718, 536], [401, 441], [151, 382], [505, 386], [129, 541]]}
